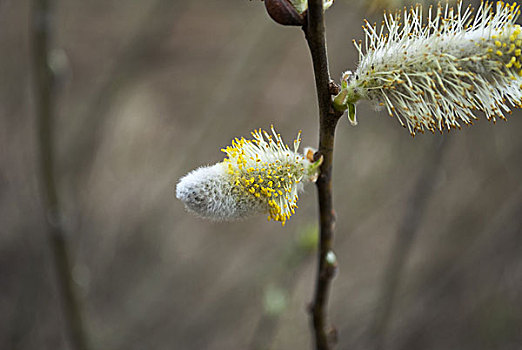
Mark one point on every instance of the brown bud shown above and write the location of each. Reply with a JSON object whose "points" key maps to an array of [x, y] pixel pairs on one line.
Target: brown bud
{"points": [[283, 12]]}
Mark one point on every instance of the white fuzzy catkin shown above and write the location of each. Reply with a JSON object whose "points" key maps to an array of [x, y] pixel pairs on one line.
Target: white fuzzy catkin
{"points": [[433, 73], [262, 175]]}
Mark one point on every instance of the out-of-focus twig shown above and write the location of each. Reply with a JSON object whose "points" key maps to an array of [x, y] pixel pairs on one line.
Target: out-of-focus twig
{"points": [[401, 249], [43, 92], [281, 284], [314, 29], [92, 114], [504, 219]]}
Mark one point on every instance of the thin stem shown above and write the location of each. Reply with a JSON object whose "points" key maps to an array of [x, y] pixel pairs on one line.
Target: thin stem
{"points": [[314, 29], [43, 79]]}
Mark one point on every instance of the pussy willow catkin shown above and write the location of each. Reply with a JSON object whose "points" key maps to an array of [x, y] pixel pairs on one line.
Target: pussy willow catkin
{"points": [[434, 72], [261, 175]]}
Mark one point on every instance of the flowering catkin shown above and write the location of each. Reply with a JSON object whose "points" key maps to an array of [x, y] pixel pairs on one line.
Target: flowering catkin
{"points": [[262, 175], [433, 73]]}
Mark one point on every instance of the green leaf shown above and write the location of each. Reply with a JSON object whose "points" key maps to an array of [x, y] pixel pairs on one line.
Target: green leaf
{"points": [[351, 114], [340, 100]]}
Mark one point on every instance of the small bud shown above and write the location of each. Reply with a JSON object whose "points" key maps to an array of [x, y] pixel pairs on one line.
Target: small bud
{"points": [[332, 265], [331, 258], [290, 12], [283, 12]]}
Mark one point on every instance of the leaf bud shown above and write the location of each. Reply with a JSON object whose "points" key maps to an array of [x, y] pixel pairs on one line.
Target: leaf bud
{"points": [[284, 12]]}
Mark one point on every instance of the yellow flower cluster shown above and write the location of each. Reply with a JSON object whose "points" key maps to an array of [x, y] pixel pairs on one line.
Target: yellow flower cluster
{"points": [[268, 171], [508, 45]]}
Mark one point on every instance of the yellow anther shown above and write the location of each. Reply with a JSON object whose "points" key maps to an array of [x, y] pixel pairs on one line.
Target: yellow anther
{"points": [[498, 43], [499, 53]]}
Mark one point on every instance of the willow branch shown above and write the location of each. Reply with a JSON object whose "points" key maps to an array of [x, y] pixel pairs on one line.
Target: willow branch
{"points": [[43, 91], [314, 29]]}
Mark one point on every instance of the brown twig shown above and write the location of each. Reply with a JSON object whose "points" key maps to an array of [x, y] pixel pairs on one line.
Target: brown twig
{"points": [[92, 113], [43, 91], [314, 30]]}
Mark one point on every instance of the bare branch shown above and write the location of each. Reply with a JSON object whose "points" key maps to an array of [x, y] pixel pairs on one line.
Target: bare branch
{"points": [[43, 91], [314, 29]]}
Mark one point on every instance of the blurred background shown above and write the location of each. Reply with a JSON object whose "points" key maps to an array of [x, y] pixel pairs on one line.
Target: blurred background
{"points": [[428, 236]]}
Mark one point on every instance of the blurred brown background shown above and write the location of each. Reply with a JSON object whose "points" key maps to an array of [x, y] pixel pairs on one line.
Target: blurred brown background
{"points": [[149, 90]]}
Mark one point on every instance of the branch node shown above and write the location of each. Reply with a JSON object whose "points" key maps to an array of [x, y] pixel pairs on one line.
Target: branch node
{"points": [[333, 88]]}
